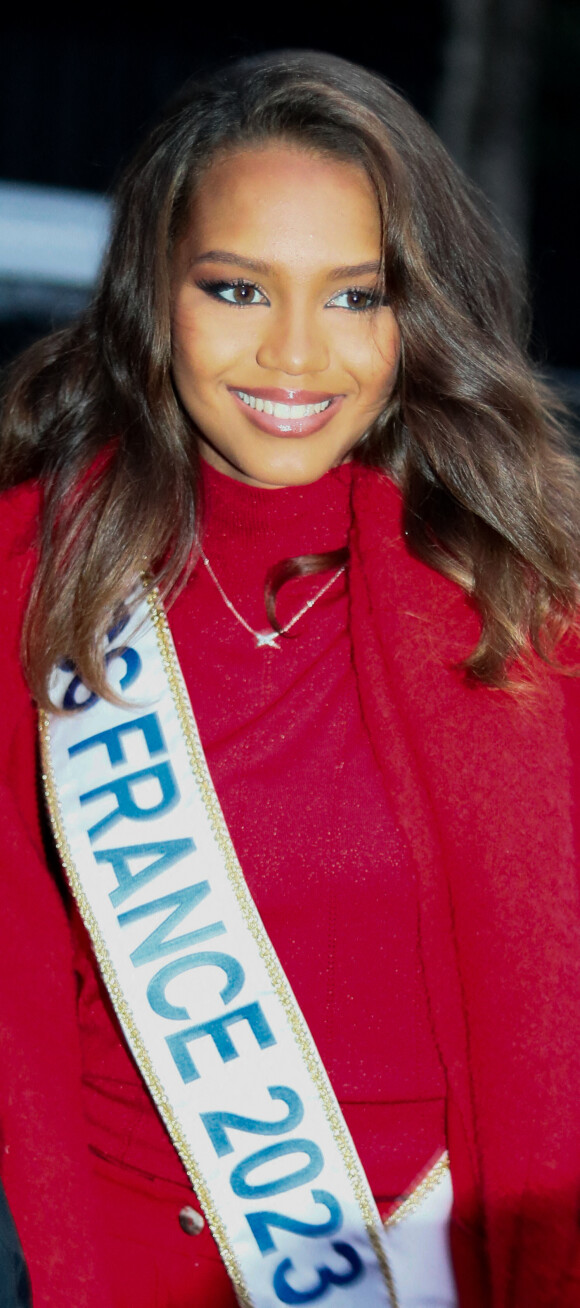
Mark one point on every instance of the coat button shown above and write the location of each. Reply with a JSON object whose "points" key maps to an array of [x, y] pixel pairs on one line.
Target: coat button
{"points": [[191, 1221]]}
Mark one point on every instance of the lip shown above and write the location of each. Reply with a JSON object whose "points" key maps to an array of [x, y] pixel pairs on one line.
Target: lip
{"points": [[287, 426], [279, 396]]}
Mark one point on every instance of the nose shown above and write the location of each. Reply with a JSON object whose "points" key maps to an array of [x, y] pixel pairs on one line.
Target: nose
{"points": [[294, 342]]}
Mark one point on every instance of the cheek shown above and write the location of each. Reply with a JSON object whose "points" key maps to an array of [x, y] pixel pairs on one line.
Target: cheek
{"points": [[372, 341], [386, 355], [194, 356], [202, 348], [185, 339], [375, 361]]}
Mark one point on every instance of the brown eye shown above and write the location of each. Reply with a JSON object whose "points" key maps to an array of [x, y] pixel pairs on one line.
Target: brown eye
{"points": [[356, 299], [243, 293], [238, 293]]}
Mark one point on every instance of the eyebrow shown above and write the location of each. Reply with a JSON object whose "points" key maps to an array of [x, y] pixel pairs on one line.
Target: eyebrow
{"points": [[259, 266]]}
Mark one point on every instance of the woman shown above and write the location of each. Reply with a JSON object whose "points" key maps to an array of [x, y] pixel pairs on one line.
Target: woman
{"points": [[299, 381]]}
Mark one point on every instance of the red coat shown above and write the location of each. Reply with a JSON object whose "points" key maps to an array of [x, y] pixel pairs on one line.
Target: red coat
{"points": [[483, 789]]}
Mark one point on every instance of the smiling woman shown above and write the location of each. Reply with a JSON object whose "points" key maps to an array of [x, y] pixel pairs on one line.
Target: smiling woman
{"points": [[316, 314], [314, 874]]}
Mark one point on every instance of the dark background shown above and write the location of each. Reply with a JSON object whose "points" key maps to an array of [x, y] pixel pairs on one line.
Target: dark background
{"points": [[76, 96]]}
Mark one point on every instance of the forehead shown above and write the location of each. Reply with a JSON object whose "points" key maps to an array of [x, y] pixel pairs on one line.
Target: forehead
{"points": [[289, 206]]}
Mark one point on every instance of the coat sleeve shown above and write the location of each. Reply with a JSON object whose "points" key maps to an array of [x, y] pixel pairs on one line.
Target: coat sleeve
{"points": [[46, 1169]]}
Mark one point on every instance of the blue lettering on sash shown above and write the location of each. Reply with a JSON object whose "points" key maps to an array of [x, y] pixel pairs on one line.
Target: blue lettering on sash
{"points": [[127, 806], [169, 851], [149, 725], [261, 1223], [206, 958], [133, 667], [326, 1276], [217, 1124], [301, 1176], [217, 1029], [183, 902]]}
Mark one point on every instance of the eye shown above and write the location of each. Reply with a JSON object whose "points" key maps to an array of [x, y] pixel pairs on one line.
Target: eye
{"points": [[236, 292], [356, 299]]}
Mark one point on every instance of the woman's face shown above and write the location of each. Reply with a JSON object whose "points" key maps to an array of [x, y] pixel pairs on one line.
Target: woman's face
{"points": [[283, 355]]}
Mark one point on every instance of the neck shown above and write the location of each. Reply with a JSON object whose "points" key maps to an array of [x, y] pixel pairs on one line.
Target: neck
{"points": [[267, 524]]}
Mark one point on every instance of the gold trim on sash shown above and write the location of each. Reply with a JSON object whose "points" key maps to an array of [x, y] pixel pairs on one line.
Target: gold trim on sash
{"points": [[410, 1202]]}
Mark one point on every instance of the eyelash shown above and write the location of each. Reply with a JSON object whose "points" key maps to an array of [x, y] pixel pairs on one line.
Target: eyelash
{"points": [[214, 289]]}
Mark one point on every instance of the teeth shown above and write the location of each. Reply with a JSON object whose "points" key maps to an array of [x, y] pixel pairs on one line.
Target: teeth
{"points": [[282, 410]]}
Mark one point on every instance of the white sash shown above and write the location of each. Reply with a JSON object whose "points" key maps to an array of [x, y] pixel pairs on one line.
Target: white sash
{"points": [[418, 1243], [202, 998]]}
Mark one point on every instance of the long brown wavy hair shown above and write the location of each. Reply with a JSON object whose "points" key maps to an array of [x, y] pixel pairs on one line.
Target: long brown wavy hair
{"points": [[470, 434]]}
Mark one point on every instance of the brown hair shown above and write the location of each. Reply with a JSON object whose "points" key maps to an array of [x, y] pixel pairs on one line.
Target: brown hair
{"points": [[470, 434]]}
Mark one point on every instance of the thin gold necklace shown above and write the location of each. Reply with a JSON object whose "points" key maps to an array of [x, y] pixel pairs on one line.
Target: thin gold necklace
{"points": [[268, 639]]}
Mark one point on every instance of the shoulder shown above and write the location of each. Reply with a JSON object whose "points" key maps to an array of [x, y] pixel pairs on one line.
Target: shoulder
{"points": [[438, 620], [482, 751], [432, 615], [20, 510]]}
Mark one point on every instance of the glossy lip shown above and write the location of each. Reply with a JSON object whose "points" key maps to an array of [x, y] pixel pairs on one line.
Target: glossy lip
{"points": [[287, 426]]}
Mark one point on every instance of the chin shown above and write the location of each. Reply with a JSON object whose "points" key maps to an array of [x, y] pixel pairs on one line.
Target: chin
{"points": [[290, 477], [292, 472], [291, 465]]}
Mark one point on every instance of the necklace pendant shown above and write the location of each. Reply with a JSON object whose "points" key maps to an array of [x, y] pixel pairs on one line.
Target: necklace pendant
{"points": [[269, 639], [266, 638]]}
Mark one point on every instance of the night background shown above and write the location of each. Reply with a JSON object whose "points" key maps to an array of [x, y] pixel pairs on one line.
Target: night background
{"points": [[498, 79]]}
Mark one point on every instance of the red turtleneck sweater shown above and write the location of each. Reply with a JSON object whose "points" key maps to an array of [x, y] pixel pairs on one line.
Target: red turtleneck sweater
{"points": [[325, 862]]}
